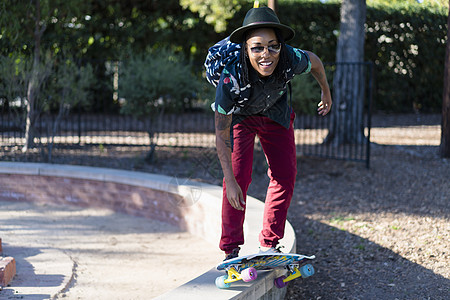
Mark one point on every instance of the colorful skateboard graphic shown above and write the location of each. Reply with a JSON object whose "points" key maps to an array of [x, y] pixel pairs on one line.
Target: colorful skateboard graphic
{"points": [[245, 268]]}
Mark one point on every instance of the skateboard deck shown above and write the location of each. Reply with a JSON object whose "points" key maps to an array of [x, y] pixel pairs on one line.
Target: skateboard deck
{"points": [[245, 268]]}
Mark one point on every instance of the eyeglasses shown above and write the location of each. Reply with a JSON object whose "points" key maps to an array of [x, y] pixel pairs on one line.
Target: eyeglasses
{"points": [[273, 49]]}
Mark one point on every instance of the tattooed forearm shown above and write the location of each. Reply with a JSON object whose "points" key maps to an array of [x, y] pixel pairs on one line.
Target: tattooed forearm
{"points": [[228, 143], [222, 121], [223, 143]]}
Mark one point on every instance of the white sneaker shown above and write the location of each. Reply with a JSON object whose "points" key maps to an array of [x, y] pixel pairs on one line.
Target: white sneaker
{"points": [[270, 250]]}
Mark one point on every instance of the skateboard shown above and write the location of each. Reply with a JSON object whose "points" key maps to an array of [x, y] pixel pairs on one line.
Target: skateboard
{"points": [[245, 268]]}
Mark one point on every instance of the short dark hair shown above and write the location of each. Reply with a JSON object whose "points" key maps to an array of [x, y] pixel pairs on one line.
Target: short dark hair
{"points": [[280, 70]]}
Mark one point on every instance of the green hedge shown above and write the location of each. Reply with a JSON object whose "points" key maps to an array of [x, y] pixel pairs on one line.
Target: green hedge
{"points": [[407, 44], [405, 40]]}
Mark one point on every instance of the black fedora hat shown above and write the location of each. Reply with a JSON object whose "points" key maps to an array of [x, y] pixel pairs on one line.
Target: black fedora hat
{"points": [[261, 17]]}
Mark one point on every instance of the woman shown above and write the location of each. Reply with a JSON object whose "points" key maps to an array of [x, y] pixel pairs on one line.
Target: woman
{"points": [[251, 99]]}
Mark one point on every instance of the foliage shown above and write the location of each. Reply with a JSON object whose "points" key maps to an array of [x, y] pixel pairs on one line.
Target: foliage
{"points": [[65, 84], [14, 71], [56, 20], [112, 28], [427, 3], [68, 86], [206, 95], [401, 36], [407, 44], [23, 29], [305, 94], [405, 40], [215, 12], [160, 81]]}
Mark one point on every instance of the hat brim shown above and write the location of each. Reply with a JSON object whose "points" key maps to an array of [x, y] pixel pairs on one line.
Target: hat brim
{"points": [[238, 35]]}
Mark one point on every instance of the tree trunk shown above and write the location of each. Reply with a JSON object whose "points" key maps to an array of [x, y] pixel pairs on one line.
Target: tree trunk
{"points": [[445, 132], [32, 96], [34, 83], [153, 133], [349, 82], [273, 5]]}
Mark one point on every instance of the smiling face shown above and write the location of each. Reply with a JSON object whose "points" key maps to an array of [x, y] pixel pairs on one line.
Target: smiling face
{"points": [[263, 51]]}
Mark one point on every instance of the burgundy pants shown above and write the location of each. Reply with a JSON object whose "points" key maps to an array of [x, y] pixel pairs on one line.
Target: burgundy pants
{"points": [[279, 148]]}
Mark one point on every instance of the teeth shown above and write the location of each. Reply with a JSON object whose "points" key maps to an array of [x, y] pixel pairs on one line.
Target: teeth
{"points": [[266, 63]]}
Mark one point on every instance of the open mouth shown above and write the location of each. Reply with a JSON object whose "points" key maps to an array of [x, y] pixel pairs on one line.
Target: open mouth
{"points": [[266, 64]]}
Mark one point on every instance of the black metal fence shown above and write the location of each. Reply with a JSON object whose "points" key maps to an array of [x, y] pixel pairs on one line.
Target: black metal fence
{"points": [[80, 132], [314, 135]]}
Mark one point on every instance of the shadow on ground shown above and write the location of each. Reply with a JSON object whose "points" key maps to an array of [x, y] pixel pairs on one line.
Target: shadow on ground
{"points": [[70, 252], [350, 267], [25, 271], [402, 206], [403, 203]]}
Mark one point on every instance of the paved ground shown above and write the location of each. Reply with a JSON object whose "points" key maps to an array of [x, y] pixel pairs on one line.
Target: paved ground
{"points": [[75, 253]]}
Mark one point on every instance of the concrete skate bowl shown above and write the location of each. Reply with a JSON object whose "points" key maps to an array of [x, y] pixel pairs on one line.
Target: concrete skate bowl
{"points": [[191, 206]]}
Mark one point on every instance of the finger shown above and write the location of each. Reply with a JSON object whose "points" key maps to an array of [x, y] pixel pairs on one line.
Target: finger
{"points": [[238, 206], [235, 204], [241, 199], [238, 202], [323, 108]]}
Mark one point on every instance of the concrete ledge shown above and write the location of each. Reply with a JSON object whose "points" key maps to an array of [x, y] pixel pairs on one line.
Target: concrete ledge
{"points": [[193, 206]]}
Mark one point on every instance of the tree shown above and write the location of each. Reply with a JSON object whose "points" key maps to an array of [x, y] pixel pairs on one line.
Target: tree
{"points": [[273, 4], [445, 132], [348, 84], [215, 12], [155, 83], [13, 85], [24, 26], [68, 86]]}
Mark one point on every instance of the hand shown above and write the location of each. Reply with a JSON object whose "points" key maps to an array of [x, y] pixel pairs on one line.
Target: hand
{"points": [[234, 195], [325, 104]]}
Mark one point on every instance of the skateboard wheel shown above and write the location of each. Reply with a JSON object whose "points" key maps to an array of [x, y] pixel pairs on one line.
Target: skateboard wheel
{"points": [[220, 282], [306, 270], [279, 283], [249, 274]]}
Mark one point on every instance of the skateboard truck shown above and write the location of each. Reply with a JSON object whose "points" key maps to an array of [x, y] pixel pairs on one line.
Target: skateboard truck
{"points": [[233, 275], [294, 272]]}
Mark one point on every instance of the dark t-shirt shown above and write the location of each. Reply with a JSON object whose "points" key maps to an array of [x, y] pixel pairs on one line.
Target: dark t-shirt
{"points": [[262, 96]]}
